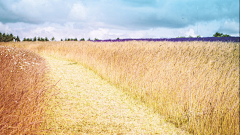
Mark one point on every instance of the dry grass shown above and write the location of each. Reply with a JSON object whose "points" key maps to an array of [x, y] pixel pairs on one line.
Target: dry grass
{"points": [[22, 90], [87, 104], [194, 84]]}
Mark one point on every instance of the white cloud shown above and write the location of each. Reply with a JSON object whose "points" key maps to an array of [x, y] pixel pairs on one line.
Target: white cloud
{"points": [[4, 28], [190, 32], [229, 27], [101, 33], [78, 12]]}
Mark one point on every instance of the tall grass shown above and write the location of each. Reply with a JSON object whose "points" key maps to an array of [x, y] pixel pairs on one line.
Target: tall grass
{"points": [[22, 90], [194, 84]]}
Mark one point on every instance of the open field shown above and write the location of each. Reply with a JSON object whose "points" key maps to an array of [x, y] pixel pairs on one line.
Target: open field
{"points": [[87, 104], [195, 85], [22, 91]]}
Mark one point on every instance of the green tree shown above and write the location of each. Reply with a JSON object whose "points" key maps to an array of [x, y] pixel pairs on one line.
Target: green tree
{"points": [[0, 37], [217, 34], [89, 39], [46, 39], [53, 38], [61, 39], [38, 39], [35, 39], [4, 37], [17, 39], [82, 39], [226, 35], [75, 39], [10, 37]]}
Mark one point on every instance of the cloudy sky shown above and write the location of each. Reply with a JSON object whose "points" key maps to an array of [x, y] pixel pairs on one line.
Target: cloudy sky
{"points": [[109, 19]]}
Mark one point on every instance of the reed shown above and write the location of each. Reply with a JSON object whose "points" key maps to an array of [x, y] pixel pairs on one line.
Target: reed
{"points": [[22, 91], [193, 84]]}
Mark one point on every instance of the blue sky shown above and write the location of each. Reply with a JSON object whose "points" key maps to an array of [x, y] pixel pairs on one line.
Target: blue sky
{"points": [[109, 19]]}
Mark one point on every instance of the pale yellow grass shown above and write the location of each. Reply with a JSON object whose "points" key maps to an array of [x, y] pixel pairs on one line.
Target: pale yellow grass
{"points": [[87, 104]]}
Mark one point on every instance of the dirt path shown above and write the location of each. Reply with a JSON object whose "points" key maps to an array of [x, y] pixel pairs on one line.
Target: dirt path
{"points": [[86, 104]]}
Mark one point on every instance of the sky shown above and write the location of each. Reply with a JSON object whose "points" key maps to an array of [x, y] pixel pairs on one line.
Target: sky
{"points": [[111, 19]]}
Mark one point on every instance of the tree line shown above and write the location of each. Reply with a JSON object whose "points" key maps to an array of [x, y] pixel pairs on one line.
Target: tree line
{"points": [[217, 34], [8, 37], [36, 39]]}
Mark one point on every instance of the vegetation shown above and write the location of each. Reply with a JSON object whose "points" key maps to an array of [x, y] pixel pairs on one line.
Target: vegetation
{"points": [[195, 85], [217, 34], [188, 37], [8, 37], [23, 87], [36, 39]]}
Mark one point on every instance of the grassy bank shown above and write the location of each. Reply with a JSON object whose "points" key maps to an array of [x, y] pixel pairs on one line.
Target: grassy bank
{"points": [[194, 84], [22, 89]]}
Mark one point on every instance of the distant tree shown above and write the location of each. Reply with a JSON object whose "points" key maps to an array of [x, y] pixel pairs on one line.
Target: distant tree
{"points": [[181, 37], [75, 39], [198, 36], [95, 39], [4, 37], [39, 39], [10, 38], [53, 38], [89, 39], [46, 39], [7, 37], [61, 39], [24, 39], [117, 38], [1, 37], [35, 39], [82, 39], [69, 39], [42, 39], [226, 35], [217, 34], [17, 39]]}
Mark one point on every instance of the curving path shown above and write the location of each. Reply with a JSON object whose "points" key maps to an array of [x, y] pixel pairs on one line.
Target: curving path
{"points": [[87, 104]]}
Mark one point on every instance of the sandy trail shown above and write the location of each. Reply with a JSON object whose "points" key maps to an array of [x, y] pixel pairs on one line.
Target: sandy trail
{"points": [[87, 104]]}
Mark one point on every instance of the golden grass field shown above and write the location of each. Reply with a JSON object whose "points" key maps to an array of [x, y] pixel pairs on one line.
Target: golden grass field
{"points": [[87, 104], [23, 86], [195, 85]]}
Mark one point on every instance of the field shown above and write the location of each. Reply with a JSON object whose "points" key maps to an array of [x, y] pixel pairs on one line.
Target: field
{"points": [[195, 85], [23, 87]]}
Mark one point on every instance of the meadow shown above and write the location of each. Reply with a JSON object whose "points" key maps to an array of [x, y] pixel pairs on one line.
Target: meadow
{"points": [[23, 88], [195, 85]]}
